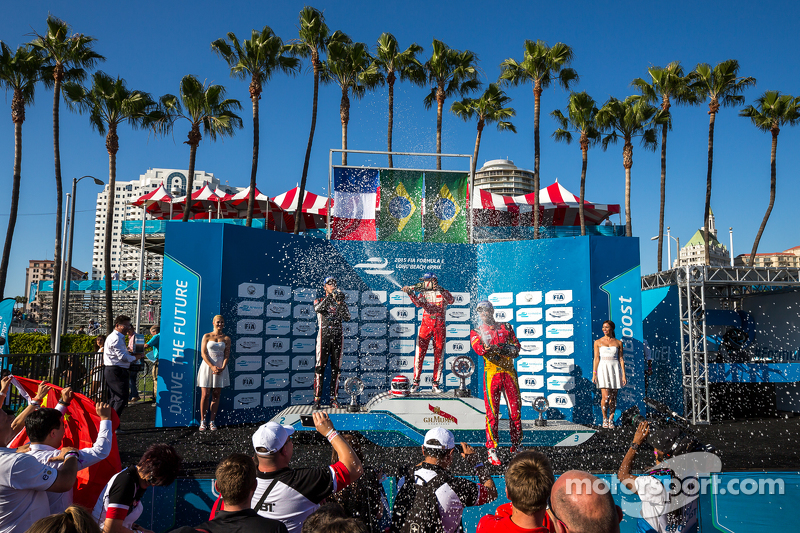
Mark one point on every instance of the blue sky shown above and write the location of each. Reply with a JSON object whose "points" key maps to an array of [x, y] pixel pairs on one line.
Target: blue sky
{"points": [[153, 44]]}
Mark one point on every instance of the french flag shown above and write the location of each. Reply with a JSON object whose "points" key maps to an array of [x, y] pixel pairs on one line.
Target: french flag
{"points": [[355, 198]]}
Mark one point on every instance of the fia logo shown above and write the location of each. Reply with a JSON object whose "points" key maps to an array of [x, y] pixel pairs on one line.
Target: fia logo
{"points": [[460, 298], [249, 326], [558, 297], [279, 292], [533, 331], [247, 381], [402, 313], [276, 345], [458, 347], [276, 399], [560, 348]]}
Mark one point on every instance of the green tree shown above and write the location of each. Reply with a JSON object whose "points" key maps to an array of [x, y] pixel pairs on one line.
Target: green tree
{"points": [[352, 68], [723, 87], [627, 119], [258, 57], [667, 84], [581, 118], [391, 63], [110, 103], [772, 111], [20, 71], [311, 43], [541, 65], [450, 72], [488, 108], [204, 107], [67, 58]]}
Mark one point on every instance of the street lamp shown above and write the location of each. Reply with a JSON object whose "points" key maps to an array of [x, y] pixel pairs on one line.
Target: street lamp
{"points": [[61, 265], [69, 253], [730, 231], [669, 250]]}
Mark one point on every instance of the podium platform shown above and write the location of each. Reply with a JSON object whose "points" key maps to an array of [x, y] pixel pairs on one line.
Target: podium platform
{"points": [[389, 420]]}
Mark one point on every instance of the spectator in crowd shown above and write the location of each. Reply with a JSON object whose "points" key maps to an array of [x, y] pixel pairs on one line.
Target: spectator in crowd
{"points": [[344, 525], [582, 503], [97, 366], [34, 404], [364, 499], [117, 360], [24, 481], [118, 506], [529, 478], [292, 494], [236, 483], [324, 515], [75, 519], [155, 331], [81, 331], [453, 494], [5, 385], [45, 429]]}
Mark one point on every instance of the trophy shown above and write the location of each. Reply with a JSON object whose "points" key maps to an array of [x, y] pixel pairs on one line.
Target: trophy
{"points": [[462, 367], [353, 386], [540, 405]]}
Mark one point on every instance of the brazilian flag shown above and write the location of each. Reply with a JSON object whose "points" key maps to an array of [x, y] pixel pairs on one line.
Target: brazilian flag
{"points": [[446, 207], [401, 206]]}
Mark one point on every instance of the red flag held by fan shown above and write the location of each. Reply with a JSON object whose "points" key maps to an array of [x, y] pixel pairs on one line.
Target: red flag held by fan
{"points": [[81, 425]]}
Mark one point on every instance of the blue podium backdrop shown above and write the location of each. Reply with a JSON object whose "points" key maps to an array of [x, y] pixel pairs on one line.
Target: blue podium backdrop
{"points": [[555, 292]]}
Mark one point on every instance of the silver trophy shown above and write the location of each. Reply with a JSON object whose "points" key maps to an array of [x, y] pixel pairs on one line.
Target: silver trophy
{"points": [[462, 367], [353, 386], [540, 405]]}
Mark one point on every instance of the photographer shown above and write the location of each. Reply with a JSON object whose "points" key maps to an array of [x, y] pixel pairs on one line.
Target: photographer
{"points": [[331, 312]]}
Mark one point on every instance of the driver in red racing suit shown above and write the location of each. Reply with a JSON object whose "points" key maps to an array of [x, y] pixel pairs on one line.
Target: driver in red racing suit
{"points": [[433, 299], [498, 345]]}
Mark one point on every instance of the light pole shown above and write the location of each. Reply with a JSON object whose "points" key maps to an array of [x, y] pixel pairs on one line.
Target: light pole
{"points": [[669, 249], [730, 231], [62, 264], [71, 234]]}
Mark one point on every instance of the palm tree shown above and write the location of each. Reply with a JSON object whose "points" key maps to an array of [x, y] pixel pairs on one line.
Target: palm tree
{"points": [[312, 43], [629, 118], [110, 103], [203, 106], [581, 118], [20, 71], [772, 111], [489, 108], [67, 57], [259, 58], [391, 62], [541, 65], [352, 68], [450, 72], [723, 87]]}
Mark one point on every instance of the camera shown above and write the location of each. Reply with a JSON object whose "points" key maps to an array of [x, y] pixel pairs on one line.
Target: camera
{"points": [[669, 432]]}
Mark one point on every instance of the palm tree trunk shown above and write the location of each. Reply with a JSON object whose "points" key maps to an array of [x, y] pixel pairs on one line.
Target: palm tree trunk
{"points": [[301, 192], [344, 115], [585, 163], [663, 197], [773, 175], [712, 117], [112, 145], [627, 162], [537, 98], [439, 107], [254, 168], [475, 153], [190, 181], [390, 80], [12, 215], [59, 203]]}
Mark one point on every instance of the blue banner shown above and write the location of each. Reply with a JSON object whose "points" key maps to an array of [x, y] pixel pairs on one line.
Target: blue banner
{"points": [[6, 315]]}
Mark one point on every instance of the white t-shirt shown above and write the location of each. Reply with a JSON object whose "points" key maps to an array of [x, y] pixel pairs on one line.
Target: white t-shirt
{"points": [[23, 481], [654, 502]]}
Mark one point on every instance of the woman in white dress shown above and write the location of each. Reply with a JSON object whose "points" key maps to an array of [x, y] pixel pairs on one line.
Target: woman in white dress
{"points": [[609, 371], [213, 373]]}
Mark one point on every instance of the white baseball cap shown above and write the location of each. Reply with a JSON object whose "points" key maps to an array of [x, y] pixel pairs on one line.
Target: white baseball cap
{"points": [[441, 435], [271, 436]]}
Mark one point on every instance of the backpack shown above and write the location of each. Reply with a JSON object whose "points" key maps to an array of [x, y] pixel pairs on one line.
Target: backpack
{"points": [[416, 509]]}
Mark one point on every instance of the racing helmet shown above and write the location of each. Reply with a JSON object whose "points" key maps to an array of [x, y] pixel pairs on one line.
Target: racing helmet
{"points": [[429, 276], [400, 386], [484, 304]]}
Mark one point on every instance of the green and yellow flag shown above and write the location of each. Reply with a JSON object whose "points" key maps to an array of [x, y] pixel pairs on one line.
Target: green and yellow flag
{"points": [[445, 207], [401, 206]]}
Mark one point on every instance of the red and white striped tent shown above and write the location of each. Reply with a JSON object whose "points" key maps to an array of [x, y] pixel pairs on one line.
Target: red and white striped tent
{"points": [[557, 207], [314, 209], [199, 203], [265, 207], [156, 203]]}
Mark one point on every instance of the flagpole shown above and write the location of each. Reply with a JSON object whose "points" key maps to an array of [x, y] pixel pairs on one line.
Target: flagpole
{"points": [[470, 200], [329, 207]]}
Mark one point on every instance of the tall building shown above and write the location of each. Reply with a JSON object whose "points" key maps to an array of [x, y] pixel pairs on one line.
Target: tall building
{"points": [[693, 252], [42, 270], [124, 258], [786, 259], [501, 176]]}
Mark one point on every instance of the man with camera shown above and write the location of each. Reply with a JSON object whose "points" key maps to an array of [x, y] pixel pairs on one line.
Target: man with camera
{"points": [[331, 312], [498, 345]]}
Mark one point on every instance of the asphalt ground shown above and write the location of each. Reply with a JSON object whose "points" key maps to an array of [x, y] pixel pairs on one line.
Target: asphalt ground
{"points": [[766, 444]]}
